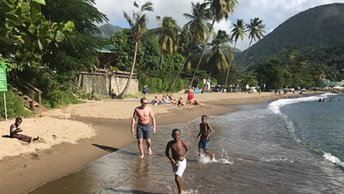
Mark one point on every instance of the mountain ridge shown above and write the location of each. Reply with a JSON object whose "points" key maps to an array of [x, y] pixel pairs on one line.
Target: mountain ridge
{"points": [[320, 26]]}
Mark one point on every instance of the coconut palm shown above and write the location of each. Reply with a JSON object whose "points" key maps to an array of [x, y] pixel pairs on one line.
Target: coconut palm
{"points": [[217, 57], [256, 32], [239, 31], [219, 9], [167, 35], [198, 26], [138, 24]]}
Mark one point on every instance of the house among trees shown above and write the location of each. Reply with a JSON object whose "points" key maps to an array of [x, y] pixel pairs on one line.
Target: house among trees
{"points": [[105, 80]]}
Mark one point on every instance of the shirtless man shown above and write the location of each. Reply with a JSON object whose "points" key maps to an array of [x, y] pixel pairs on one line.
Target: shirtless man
{"points": [[141, 116], [205, 130], [179, 150]]}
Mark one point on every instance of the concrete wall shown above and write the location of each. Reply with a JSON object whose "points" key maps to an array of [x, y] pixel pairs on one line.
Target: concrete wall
{"points": [[102, 84]]}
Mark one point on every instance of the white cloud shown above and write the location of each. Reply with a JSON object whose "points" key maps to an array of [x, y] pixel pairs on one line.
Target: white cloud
{"points": [[272, 12]]}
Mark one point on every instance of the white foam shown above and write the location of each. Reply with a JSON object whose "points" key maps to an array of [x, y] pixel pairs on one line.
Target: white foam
{"points": [[206, 159], [333, 159], [276, 105]]}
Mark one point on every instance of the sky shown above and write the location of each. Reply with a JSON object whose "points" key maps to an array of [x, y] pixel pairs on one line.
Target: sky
{"points": [[272, 12]]}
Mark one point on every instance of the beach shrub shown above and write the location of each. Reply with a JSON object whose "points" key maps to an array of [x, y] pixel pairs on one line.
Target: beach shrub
{"points": [[59, 98], [179, 85], [165, 84], [154, 84], [15, 106]]}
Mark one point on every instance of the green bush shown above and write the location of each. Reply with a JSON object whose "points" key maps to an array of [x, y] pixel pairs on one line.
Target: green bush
{"points": [[154, 84], [165, 84], [179, 85], [15, 106], [60, 98]]}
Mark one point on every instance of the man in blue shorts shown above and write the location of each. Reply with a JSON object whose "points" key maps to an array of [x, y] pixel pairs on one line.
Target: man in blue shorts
{"points": [[142, 115]]}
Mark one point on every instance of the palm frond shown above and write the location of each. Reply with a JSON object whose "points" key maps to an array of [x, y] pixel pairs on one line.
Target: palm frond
{"points": [[148, 6], [126, 16]]}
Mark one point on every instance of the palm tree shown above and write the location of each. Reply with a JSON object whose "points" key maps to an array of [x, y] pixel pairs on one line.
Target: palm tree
{"points": [[198, 27], [219, 9], [167, 35], [217, 55], [256, 32], [239, 31], [187, 48], [138, 24]]}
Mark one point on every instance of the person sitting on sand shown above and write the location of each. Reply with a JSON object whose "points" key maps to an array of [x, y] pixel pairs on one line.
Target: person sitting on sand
{"points": [[191, 97], [172, 100], [205, 130], [155, 101], [179, 150], [15, 129], [165, 100], [180, 102]]}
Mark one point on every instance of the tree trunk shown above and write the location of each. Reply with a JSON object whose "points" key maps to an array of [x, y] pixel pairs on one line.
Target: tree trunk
{"points": [[230, 62], [203, 51], [176, 77], [242, 59], [125, 90], [161, 60]]}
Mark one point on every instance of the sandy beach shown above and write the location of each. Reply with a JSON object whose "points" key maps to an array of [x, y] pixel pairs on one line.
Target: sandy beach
{"points": [[73, 136]]}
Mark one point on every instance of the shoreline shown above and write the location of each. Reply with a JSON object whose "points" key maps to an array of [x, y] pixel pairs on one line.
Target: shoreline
{"points": [[35, 169]]}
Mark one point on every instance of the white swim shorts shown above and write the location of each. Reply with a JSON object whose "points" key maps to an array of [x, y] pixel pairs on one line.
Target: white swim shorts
{"points": [[179, 167]]}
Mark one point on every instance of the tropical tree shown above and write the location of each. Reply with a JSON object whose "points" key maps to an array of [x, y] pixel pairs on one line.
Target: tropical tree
{"points": [[198, 27], [138, 24], [26, 35], [187, 47], [271, 73], [167, 35], [219, 9], [217, 58], [256, 32], [80, 51], [239, 31]]}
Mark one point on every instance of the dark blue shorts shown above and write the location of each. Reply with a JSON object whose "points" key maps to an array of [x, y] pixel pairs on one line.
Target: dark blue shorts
{"points": [[143, 131], [203, 144]]}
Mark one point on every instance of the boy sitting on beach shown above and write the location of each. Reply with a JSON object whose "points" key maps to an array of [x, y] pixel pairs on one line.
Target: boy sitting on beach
{"points": [[179, 150], [15, 129], [205, 130], [180, 102]]}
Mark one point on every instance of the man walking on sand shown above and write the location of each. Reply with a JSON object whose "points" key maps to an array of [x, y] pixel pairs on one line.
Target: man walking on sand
{"points": [[179, 150], [141, 116]]}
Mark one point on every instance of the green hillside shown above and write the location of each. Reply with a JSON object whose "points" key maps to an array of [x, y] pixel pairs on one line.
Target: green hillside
{"points": [[108, 30], [321, 26]]}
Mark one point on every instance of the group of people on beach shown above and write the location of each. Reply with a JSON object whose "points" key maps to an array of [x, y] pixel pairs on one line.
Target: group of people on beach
{"points": [[141, 128], [169, 99]]}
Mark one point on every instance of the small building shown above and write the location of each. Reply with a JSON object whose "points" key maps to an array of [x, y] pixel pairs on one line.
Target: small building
{"points": [[104, 80]]}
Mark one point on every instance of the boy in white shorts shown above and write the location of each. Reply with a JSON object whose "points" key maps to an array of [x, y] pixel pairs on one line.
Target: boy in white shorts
{"points": [[179, 150]]}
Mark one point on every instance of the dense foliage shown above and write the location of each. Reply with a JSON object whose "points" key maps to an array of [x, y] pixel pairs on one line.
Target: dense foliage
{"points": [[47, 43]]}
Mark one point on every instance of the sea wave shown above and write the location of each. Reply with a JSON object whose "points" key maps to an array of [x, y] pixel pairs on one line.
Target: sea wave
{"points": [[333, 159], [276, 106]]}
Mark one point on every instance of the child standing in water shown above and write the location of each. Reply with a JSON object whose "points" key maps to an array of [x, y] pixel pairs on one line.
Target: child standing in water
{"points": [[205, 130], [179, 150]]}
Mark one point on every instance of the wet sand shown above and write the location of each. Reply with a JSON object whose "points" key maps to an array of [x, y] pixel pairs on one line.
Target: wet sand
{"points": [[31, 170]]}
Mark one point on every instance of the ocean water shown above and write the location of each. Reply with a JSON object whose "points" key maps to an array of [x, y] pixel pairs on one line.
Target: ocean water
{"points": [[286, 146]]}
